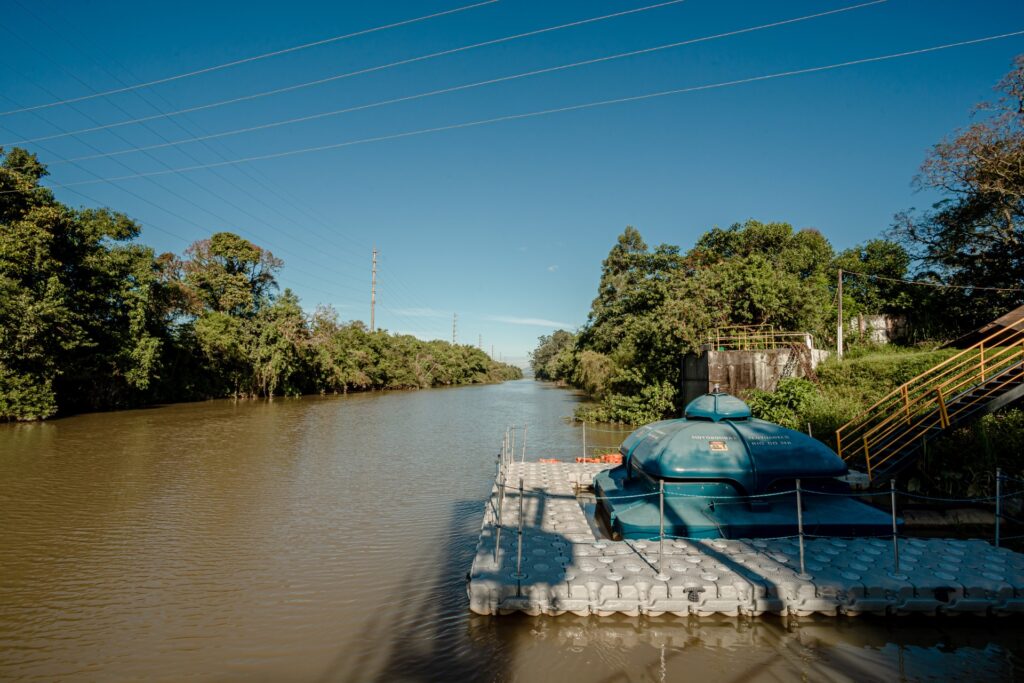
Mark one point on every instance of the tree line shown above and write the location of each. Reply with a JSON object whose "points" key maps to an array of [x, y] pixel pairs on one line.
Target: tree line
{"points": [[655, 304], [92, 319]]}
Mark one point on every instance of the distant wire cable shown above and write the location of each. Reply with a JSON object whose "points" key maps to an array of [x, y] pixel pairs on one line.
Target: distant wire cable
{"points": [[619, 431], [348, 74], [477, 84], [178, 195], [237, 62], [158, 206], [556, 110], [151, 225], [253, 196], [933, 284]]}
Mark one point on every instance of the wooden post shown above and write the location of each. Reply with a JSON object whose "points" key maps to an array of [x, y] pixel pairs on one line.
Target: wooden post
{"points": [[982, 361], [906, 402]]}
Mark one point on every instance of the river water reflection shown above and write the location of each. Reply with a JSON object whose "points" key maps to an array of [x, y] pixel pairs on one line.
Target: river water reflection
{"points": [[327, 539]]}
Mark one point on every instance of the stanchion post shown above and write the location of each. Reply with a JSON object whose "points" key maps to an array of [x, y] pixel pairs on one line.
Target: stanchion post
{"points": [[584, 439], [525, 428], [895, 537], [519, 545], [512, 445], [501, 499], [497, 532], [661, 525], [999, 500], [800, 528]]}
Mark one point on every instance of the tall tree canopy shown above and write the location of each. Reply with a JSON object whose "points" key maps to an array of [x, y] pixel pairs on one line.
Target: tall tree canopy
{"points": [[82, 310], [974, 236], [655, 305]]}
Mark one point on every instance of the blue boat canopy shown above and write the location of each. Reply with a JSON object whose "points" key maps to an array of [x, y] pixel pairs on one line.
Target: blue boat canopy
{"points": [[712, 465], [719, 440], [717, 406]]}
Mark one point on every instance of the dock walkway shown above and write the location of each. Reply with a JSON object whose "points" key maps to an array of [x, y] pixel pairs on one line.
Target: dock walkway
{"points": [[566, 567]]}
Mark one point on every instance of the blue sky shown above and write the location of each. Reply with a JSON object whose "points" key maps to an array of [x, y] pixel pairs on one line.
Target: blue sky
{"points": [[505, 224]]}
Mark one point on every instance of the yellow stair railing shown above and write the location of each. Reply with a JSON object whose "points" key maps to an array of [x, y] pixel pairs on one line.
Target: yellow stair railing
{"points": [[932, 400]]}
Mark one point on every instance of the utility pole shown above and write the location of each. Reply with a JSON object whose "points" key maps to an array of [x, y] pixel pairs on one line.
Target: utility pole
{"points": [[480, 342], [492, 351], [839, 334], [455, 318], [373, 291]]}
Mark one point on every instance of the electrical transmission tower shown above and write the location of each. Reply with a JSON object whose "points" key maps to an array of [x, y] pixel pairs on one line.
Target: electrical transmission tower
{"points": [[373, 291]]}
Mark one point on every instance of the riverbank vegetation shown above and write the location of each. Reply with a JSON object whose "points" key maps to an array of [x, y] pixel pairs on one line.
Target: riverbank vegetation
{"points": [[653, 305], [92, 319]]}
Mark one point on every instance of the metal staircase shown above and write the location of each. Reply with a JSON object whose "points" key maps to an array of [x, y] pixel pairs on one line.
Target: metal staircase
{"points": [[892, 434]]}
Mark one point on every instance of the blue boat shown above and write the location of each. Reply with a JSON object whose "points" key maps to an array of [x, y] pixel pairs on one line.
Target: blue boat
{"points": [[727, 474]]}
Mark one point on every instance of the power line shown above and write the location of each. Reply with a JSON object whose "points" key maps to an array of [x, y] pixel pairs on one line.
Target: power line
{"points": [[556, 110], [181, 218], [477, 84], [155, 205], [192, 181], [349, 74], [245, 60], [407, 291], [933, 284], [179, 124]]}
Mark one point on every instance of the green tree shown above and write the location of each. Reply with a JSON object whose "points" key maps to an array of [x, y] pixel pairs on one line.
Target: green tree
{"points": [[974, 236], [654, 305], [873, 290], [552, 359], [82, 314], [229, 274]]}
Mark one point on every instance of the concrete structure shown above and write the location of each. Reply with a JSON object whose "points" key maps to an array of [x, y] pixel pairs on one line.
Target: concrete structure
{"points": [[877, 329], [566, 567], [738, 371]]}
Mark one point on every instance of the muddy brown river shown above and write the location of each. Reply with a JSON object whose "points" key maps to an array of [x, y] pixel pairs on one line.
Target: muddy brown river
{"points": [[328, 539]]}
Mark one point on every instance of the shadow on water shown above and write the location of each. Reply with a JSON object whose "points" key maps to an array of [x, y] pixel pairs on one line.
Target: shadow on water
{"points": [[431, 640], [443, 641]]}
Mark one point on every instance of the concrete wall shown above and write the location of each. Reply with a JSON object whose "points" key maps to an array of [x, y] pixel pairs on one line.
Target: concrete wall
{"points": [[877, 329], [739, 371]]}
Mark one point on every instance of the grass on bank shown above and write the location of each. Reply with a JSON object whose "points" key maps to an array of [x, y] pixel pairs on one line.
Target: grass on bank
{"points": [[960, 463]]}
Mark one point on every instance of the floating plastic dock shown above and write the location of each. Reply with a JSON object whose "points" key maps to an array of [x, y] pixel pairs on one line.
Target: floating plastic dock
{"points": [[567, 567]]}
